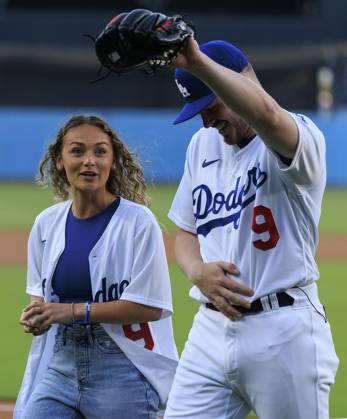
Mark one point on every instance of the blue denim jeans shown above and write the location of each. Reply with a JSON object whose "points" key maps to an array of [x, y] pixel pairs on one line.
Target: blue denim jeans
{"points": [[90, 377]]}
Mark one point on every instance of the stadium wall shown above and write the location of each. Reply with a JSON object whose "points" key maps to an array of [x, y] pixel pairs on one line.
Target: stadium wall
{"points": [[160, 145]]}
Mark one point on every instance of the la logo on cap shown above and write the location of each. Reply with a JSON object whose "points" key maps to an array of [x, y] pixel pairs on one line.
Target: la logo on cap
{"points": [[182, 89]]}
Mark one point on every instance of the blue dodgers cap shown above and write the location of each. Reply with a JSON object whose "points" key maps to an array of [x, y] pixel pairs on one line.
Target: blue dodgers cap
{"points": [[196, 94]]}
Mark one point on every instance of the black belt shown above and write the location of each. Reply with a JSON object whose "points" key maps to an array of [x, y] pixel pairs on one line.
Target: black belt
{"points": [[283, 299]]}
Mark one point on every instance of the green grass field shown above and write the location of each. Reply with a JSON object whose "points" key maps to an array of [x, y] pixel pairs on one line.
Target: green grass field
{"points": [[13, 352], [18, 207], [21, 202]]}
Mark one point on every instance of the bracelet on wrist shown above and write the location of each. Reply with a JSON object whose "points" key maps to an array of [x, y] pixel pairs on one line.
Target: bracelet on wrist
{"points": [[87, 312], [73, 312]]}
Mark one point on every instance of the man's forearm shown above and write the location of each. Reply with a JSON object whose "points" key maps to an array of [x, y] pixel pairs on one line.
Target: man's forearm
{"points": [[187, 252]]}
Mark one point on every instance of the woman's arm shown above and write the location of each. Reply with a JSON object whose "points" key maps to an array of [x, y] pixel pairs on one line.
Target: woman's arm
{"points": [[39, 314]]}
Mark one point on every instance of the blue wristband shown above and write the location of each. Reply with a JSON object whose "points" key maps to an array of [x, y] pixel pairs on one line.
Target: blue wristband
{"points": [[87, 313]]}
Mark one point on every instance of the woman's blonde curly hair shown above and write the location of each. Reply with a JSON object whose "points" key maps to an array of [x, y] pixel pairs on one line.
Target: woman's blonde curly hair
{"points": [[126, 179]]}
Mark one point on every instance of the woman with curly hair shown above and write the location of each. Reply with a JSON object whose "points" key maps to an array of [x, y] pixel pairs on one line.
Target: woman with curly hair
{"points": [[100, 292]]}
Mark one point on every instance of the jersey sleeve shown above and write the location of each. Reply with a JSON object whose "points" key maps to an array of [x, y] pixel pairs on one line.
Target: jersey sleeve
{"points": [[181, 211], [308, 165], [150, 281], [35, 252]]}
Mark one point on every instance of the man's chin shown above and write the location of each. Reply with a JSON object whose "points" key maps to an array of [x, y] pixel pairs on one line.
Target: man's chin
{"points": [[228, 137]]}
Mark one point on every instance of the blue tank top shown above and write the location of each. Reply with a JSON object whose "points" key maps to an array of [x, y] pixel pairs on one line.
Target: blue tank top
{"points": [[71, 278]]}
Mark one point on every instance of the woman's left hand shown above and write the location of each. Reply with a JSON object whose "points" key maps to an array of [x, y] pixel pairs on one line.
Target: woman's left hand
{"points": [[40, 315]]}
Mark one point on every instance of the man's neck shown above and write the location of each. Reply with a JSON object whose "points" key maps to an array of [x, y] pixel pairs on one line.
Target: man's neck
{"points": [[245, 141]]}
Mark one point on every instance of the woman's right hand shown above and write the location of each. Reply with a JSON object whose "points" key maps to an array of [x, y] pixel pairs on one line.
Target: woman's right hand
{"points": [[27, 323], [35, 331]]}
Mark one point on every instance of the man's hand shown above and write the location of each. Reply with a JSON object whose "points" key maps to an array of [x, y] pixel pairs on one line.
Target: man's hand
{"points": [[189, 56], [216, 281]]}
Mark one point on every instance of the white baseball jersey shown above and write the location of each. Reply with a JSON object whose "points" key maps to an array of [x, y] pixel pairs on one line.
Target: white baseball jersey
{"points": [[128, 262], [248, 207]]}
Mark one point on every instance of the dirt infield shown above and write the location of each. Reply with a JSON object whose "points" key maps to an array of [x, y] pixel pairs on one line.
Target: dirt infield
{"points": [[6, 409], [13, 247]]}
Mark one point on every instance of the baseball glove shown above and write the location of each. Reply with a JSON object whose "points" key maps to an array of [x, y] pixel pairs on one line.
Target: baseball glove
{"points": [[141, 39]]}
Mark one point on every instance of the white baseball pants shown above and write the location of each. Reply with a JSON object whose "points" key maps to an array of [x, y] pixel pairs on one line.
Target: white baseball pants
{"points": [[280, 363]]}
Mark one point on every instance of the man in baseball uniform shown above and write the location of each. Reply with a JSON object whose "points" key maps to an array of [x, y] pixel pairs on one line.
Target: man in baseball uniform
{"points": [[248, 208]]}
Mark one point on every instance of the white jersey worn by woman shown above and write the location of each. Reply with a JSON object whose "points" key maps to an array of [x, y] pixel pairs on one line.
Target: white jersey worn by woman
{"points": [[125, 264]]}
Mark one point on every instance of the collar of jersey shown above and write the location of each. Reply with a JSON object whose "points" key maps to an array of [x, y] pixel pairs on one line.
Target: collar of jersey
{"points": [[238, 151]]}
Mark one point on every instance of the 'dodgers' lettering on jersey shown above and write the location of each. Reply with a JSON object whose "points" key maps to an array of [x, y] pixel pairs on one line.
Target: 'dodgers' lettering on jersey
{"points": [[113, 292], [235, 201]]}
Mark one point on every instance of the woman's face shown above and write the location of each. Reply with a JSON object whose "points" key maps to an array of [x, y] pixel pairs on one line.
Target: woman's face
{"points": [[87, 157]]}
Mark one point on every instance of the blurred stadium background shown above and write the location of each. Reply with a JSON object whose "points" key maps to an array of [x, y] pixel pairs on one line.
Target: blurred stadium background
{"points": [[299, 51]]}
